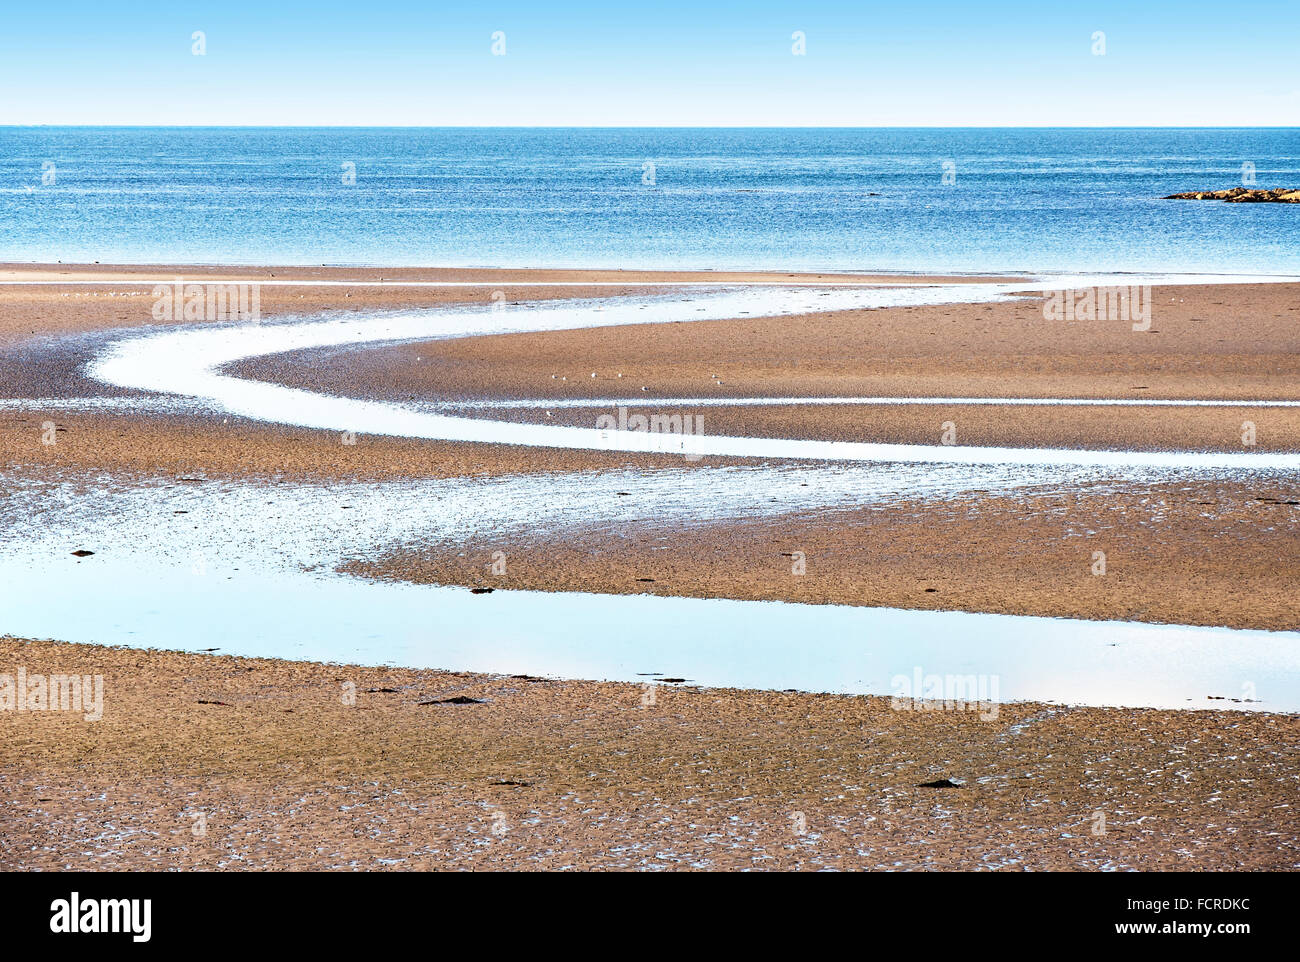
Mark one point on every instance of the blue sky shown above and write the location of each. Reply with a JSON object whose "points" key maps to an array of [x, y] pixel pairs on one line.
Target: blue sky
{"points": [[671, 63]]}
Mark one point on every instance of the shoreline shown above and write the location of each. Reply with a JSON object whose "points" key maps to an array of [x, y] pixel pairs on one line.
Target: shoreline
{"points": [[704, 275], [37, 274], [307, 275]]}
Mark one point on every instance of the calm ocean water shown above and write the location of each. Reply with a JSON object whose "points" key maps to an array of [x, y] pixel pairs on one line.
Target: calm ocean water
{"points": [[1046, 200]]}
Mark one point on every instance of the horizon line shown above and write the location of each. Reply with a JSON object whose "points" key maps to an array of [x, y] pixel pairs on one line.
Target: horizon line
{"points": [[5, 126]]}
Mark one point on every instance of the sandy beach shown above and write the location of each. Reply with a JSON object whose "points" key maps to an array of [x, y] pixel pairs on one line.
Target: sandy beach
{"points": [[568, 772], [280, 772]]}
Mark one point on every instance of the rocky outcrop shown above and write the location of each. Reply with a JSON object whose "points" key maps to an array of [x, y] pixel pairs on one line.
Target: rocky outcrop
{"points": [[1243, 195]]}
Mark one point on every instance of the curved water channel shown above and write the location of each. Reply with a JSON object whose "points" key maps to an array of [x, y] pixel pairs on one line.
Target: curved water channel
{"points": [[249, 568]]}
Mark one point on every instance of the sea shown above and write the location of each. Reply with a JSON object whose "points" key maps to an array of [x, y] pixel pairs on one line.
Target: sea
{"points": [[880, 199]]}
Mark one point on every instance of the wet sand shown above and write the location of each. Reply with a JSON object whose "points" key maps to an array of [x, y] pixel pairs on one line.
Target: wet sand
{"points": [[1218, 553], [289, 777], [1192, 553], [48, 333], [1229, 342], [1197, 552], [563, 774], [1206, 342], [97, 297]]}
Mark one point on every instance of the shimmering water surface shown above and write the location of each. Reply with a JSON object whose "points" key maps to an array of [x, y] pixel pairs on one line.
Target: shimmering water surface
{"points": [[1022, 199]]}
